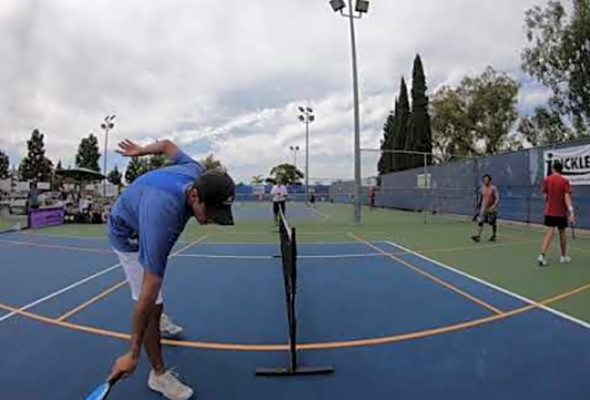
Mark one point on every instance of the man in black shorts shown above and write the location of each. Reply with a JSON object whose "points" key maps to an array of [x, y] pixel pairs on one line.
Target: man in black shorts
{"points": [[279, 197], [488, 212], [558, 207]]}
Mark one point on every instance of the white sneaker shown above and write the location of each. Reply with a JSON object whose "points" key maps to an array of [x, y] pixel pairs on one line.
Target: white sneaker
{"points": [[169, 386], [565, 259], [542, 261], [168, 327]]}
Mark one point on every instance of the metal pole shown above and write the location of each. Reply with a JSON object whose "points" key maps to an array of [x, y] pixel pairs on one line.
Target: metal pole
{"points": [[357, 127], [106, 141], [306, 157]]}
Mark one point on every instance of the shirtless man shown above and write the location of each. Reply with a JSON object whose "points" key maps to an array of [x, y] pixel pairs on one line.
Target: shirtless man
{"points": [[488, 213]]}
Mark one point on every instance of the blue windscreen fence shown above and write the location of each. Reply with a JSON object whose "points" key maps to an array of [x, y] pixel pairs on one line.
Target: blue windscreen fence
{"points": [[452, 188]]}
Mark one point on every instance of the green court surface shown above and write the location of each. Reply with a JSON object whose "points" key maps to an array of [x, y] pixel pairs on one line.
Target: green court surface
{"points": [[509, 263]]}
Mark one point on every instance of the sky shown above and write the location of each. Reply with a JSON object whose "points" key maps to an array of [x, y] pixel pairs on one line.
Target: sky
{"points": [[226, 77]]}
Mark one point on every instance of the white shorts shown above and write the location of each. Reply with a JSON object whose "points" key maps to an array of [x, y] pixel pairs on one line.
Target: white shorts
{"points": [[134, 274]]}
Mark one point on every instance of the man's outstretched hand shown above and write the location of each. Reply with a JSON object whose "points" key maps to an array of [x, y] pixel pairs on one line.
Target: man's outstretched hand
{"points": [[129, 149]]}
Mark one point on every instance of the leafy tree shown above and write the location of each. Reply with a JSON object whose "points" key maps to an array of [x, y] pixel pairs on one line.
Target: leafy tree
{"points": [[4, 165], [558, 55], [544, 127], [477, 117], [257, 180], [210, 163], [419, 136], [88, 154], [156, 161], [115, 177], [287, 174], [136, 167], [35, 165]]}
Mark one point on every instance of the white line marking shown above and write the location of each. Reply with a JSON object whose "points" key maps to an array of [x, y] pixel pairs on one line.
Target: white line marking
{"points": [[267, 257], [318, 212], [61, 291], [495, 287], [81, 282]]}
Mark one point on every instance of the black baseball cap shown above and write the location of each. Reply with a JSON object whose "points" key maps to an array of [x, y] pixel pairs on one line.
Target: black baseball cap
{"points": [[217, 190]]}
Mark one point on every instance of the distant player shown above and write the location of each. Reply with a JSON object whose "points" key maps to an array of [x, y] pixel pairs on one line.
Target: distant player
{"points": [[279, 198], [558, 208], [311, 197], [372, 195], [489, 199]]}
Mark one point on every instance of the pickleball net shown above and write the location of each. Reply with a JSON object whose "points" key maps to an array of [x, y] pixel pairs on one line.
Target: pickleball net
{"points": [[288, 244]]}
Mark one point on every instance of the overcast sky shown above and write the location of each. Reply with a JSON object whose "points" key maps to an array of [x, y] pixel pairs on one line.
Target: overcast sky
{"points": [[226, 76]]}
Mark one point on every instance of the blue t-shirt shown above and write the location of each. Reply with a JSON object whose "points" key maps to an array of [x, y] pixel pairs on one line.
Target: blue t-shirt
{"points": [[152, 212]]}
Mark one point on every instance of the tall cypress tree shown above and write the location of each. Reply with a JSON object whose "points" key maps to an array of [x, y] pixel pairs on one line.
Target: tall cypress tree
{"points": [[386, 161], [420, 133], [402, 123]]}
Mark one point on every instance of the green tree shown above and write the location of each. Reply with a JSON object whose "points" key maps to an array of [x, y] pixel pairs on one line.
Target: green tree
{"points": [[544, 127], [156, 161], [4, 165], [402, 125], [385, 164], [211, 163], [115, 177], [477, 117], [419, 136], [257, 180], [558, 55], [35, 165], [136, 167], [88, 154], [287, 174]]}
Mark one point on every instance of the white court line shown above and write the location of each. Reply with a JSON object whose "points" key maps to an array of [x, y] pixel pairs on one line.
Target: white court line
{"points": [[321, 214], [267, 257], [81, 282], [495, 287]]}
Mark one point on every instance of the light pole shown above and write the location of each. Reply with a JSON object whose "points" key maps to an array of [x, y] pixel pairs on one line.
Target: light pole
{"points": [[295, 150], [307, 118], [362, 7], [107, 125]]}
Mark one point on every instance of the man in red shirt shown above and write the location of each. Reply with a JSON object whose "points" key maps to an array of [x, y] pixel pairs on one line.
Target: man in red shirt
{"points": [[558, 208], [372, 194]]}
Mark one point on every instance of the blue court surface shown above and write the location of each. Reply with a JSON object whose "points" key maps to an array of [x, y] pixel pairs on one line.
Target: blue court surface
{"points": [[393, 324]]}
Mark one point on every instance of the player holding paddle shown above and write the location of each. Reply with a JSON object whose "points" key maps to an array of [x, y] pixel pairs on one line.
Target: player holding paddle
{"points": [[144, 225], [488, 212], [558, 209]]}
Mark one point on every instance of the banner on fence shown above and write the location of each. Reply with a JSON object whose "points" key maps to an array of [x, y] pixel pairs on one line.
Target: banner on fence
{"points": [[575, 160]]}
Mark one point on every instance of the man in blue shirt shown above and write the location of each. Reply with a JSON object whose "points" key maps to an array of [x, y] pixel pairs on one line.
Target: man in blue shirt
{"points": [[144, 225]]}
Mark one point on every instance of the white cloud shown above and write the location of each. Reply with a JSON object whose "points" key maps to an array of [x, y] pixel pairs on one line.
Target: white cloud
{"points": [[232, 73]]}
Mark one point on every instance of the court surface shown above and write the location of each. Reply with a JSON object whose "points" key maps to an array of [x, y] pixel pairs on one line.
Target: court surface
{"points": [[401, 310]]}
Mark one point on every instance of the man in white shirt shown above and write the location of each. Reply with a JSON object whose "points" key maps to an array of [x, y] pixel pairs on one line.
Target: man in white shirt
{"points": [[279, 197]]}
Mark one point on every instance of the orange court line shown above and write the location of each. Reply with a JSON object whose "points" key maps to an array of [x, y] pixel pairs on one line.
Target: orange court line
{"points": [[93, 300], [309, 346], [430, 276], [110, 290]]}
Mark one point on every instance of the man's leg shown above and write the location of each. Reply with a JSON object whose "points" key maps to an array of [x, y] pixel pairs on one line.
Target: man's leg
{"points": [[151, 341], [565, 259], [547, 240], [477, 237]]}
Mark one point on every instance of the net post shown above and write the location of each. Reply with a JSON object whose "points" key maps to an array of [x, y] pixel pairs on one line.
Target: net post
{"points": [[289, 262]]}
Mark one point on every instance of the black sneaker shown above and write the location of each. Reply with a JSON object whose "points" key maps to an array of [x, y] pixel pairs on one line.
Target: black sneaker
{"points": [[475, 239], [493, 238]]}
